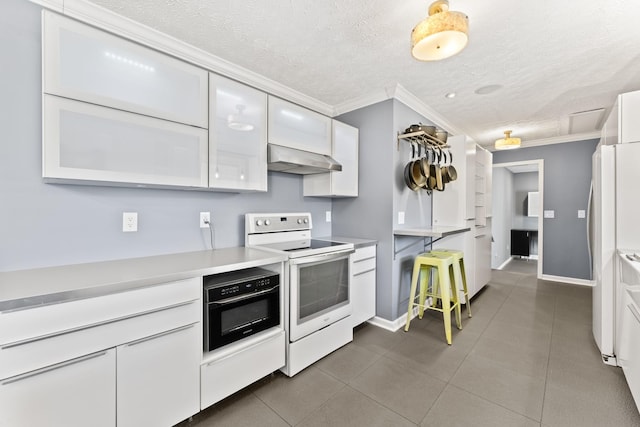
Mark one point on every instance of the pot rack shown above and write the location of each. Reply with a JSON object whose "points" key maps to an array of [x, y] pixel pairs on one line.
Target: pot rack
{"points": [[423, 138]]}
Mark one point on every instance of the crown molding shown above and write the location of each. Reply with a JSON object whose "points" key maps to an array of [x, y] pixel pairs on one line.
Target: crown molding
{"points": [[554, 140], [56, 5], [410, 100], [107, 20], [364, 101]]}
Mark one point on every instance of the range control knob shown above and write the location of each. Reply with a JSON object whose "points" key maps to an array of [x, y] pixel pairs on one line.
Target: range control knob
{"points": [[259, 222], [306, 220], [299, 221], [267, 222]]}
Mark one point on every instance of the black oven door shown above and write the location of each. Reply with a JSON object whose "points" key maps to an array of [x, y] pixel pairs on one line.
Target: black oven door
{"points": [[234, 318]]}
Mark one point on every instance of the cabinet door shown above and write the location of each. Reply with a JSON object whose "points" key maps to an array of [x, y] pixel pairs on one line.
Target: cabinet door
{"points": [[342, 183], [158, 380], [470, 212], [83, 63], [363, 285], [79, 392], [629, 123], [483, 257], [87, 142], [296, 127], [237, 136]]}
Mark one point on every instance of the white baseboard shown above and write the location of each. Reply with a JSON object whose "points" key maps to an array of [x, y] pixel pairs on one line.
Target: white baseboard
{"points": [[392, 325], [504, 264], [570, 280]]}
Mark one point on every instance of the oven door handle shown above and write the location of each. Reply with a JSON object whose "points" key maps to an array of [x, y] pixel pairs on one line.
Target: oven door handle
{"points": [[322, 257], [243, 297]]}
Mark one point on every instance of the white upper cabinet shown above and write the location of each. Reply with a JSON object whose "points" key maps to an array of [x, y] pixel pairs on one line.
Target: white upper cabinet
{"points": [[296, 127], [83, 63], [629, 111], [237, 136], [342, 183], [101, 145]]}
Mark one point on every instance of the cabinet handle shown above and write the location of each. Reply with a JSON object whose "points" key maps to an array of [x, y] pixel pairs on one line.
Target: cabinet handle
{"points": [[161, 334], [94, 325], [52, 368], [363, 272], [363, 259]]}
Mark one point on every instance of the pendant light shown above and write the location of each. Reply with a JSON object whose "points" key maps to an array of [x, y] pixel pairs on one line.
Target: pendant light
{"points": [[441, 35], [236, 121], [507, 143]]}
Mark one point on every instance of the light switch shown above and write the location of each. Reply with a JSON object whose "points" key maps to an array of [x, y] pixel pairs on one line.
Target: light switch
{"points": [[549, 214], [581, 213], [400, 218], [327, 215]]}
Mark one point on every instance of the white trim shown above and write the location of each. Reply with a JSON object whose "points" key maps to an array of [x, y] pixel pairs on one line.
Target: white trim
{"points": [[107, 20], [504, 264], [392, 325], [555, 140], [570, 280], [540, 164], [373, 97], [410, 100], [56, 5]]}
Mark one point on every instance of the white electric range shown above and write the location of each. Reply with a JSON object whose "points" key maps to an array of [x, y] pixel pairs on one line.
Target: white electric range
{"points": [[317, 285]]}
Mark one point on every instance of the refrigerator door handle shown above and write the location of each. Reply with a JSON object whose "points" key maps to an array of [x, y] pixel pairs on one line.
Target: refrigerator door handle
{"points": [[589, 237]]}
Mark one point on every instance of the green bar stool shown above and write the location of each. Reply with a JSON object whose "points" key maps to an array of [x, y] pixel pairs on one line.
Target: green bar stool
{"points": [[458, 267], [442, 288]]}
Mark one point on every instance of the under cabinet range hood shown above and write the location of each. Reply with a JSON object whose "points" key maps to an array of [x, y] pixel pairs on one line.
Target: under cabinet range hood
{"points": [[290, 160]]}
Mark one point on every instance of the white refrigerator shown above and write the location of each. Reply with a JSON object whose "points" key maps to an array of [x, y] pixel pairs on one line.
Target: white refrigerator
{"points": [[614, 223]]}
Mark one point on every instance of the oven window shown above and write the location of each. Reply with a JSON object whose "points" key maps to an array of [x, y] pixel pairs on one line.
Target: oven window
{"points": [[236, 318], [322, 287]]}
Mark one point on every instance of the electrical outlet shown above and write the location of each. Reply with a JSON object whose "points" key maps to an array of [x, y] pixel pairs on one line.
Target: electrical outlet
{"points": [[205, 219], [129, 222], [327, 216], [400, 218]]}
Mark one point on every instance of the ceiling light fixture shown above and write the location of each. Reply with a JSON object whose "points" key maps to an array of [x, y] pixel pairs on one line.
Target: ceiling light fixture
{"points": [[507, 143], [441, 35], [236, 122], [450, 95]]}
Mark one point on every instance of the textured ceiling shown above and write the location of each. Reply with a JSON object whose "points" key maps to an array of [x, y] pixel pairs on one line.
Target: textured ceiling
{"points": [[551, 58]]}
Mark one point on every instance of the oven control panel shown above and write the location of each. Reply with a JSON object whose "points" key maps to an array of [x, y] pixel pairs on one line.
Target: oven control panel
{"points": [[268, 223], [226, 285]]}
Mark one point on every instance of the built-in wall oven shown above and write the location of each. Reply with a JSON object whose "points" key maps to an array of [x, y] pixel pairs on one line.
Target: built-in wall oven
{"points": [[316, 289], [239, 304]]}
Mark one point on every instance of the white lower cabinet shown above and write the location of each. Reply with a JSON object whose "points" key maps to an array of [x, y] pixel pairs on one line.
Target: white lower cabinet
{"points": [[363, 285], [77, 392], [158, 378], [132, 355], [229, 370]]}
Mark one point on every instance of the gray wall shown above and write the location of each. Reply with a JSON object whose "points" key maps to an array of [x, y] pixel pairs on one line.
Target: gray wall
{"points": [[370, 215], [567, 177], [523, 183], [382, 195], [51, 224]]}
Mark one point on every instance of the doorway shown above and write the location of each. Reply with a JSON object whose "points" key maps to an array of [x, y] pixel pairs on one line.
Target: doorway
{"points": [[517, 210]]}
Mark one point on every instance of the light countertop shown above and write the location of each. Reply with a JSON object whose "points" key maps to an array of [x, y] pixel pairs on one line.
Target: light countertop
{"points": [[33, 287], [436, 231], [357, 242]]}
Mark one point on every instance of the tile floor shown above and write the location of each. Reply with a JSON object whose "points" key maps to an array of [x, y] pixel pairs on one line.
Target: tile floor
{"points": [[525, 358]]}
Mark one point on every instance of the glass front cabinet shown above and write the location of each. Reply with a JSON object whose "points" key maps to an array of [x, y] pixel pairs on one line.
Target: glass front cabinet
{"points": [[237, 136]]}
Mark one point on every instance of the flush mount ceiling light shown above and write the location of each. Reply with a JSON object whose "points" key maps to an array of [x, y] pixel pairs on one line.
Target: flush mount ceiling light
{"points": [[507, 143], [236, 122], [441, 35]]}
